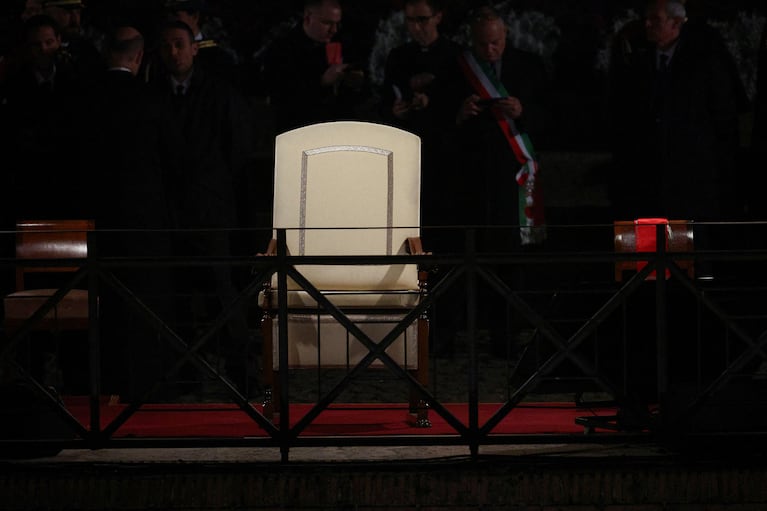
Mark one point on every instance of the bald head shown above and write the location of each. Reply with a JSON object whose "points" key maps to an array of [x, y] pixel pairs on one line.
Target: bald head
{"points": [[488, 34], [125, 48], [663, 21], [322, 19]]}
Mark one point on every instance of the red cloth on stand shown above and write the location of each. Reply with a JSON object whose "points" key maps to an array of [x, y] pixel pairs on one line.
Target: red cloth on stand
{"points": [[644, 230]]}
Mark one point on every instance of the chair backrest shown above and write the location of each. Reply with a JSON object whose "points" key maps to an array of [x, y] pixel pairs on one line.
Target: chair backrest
{"points": [[349, 188], [50, 239]]}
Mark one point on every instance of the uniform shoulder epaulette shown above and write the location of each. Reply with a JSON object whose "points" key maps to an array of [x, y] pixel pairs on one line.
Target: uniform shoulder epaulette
{"points": [[207, 43]]}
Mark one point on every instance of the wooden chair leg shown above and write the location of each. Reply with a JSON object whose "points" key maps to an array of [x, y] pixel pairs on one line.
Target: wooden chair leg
{"points": [[271, 392], [419, 409]]}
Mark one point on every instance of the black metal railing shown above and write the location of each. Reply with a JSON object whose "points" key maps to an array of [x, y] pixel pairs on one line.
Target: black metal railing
{"points": [[702, 343]]}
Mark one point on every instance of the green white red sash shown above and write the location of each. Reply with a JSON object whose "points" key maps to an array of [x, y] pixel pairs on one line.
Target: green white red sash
{"points": [[487, 85]]}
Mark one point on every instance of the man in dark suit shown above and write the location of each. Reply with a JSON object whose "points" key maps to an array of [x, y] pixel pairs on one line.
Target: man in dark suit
{"points": [[132, 136], [84, 52], [414, 98], [214, 55], [675, 105], [517, 92], [132, 155], [675, 121], [213, 121], [501, 99], [308, 74], [41, 103]]}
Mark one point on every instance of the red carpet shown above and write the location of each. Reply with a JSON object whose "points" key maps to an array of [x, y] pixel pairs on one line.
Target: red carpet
{"points": [[227, 420]]}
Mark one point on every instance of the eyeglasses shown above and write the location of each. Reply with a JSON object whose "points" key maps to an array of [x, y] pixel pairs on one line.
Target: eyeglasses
{"points": [[657, 20], [421, 20]]}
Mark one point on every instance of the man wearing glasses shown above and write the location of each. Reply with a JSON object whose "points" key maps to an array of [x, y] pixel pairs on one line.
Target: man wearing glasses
{"points": [[413, 92], [415, 70], [675, 140], [413, 98], [675, 122]]}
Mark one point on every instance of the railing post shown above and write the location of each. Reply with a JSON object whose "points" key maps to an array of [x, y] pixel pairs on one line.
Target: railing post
{"points": [[661, 316], [282, 322], [470, 260], [94, 334]]}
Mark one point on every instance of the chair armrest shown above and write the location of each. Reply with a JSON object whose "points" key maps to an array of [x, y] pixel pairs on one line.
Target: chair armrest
{"points": [[415, 246], [265, 296], [271, 249]]}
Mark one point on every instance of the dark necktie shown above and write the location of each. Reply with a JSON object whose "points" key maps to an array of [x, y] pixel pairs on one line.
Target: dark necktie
{"points": [[179, 100], [493, 70], [661, 85], [663, 62]]}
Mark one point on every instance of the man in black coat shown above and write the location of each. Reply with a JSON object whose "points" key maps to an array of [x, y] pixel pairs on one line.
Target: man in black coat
{"points": [[675, 121], [675, 103], [133, 153], [414, 97], [488, 175], [68, 14], [501, 110], [135, 150], [308, 73], [213, 122], [213, 55], [41, 105]]}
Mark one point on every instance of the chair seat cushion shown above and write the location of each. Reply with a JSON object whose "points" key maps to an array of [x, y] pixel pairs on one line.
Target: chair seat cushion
{"points": [[22, 304]]}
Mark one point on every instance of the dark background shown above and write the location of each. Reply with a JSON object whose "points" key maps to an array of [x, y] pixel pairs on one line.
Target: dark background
{"points": [[577, 63], [584, 28]]}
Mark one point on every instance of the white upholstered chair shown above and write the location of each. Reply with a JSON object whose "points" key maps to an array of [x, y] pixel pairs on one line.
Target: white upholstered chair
{"points": [[348, 188]]}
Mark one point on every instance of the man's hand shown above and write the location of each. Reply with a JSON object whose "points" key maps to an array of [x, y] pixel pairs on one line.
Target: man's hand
{"points": [[511, 107], [421, 81], [473, 105], [333, 74], [353, 78], [469, 108], [419, 101], [400, 108]]}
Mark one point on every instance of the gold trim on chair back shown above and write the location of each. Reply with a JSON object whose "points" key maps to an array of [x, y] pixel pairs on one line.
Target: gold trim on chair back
{"points": [[349, 188]]}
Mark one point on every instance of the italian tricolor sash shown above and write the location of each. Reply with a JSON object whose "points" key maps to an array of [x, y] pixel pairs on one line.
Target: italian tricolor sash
{"points": [[487, 85]]}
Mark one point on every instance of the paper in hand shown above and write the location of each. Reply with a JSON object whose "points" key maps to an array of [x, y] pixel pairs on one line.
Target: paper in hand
{"points": [[333, 53]]}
